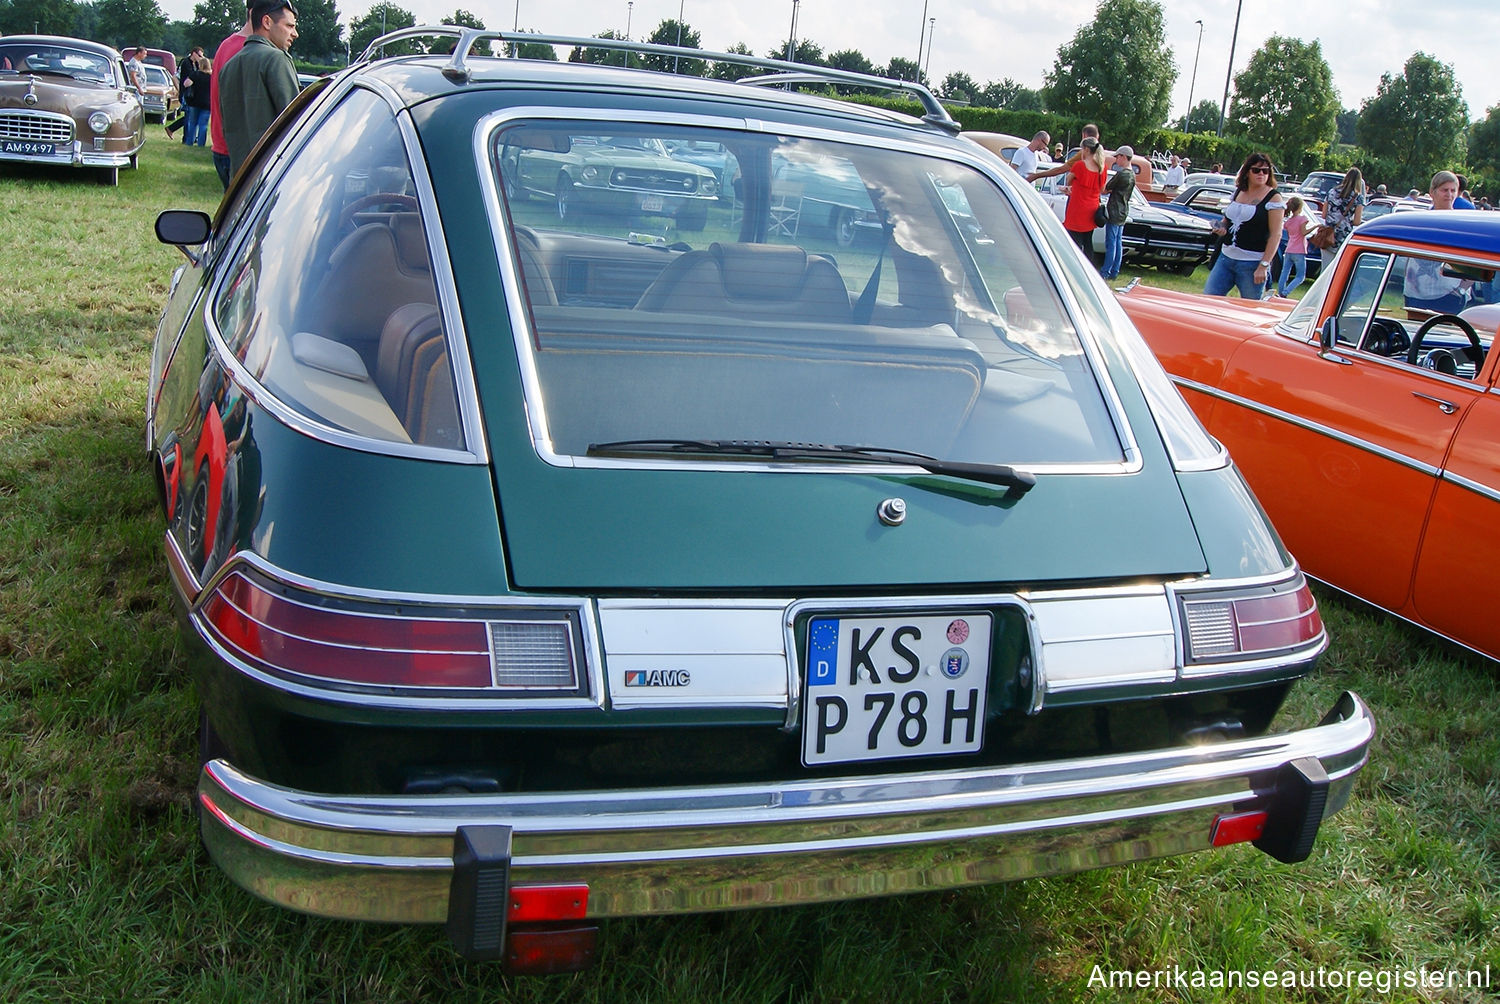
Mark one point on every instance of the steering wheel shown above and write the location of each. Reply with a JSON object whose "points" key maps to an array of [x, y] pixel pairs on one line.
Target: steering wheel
{"points": [[1387, 337], [1413, 353], [407, 203]]}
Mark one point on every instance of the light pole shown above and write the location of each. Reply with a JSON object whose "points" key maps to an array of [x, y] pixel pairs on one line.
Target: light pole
{"points": [[921, 37], [629, 10], [931, 28], [679, 31], [1224, 106], [791, 38], [1191, 83]]}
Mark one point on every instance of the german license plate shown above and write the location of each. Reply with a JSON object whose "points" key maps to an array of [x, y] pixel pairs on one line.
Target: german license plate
{"points": [[651, 203], [900, 685], [29, 148]]}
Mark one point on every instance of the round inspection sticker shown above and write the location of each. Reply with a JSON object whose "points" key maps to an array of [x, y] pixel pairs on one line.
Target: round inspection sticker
{"points": [[958, 631], [955, 663]]}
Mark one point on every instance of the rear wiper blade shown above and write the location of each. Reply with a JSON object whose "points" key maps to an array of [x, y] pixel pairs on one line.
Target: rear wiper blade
{"points": [[1019, 482]]}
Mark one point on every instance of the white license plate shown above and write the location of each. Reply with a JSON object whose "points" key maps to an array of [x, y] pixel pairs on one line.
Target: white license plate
{"points": [[899, 685], [29, 148], [651, 203]]}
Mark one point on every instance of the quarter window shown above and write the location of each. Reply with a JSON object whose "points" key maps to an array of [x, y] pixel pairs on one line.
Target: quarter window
{"points": [[330, 302]]}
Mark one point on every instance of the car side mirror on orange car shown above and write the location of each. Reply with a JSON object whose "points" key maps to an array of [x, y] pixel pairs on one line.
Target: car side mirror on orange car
{"points": [[1328, 340]]}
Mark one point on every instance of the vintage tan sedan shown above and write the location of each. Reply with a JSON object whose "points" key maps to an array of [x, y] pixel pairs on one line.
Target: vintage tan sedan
{"points": [[67, 101], [161, 96]]}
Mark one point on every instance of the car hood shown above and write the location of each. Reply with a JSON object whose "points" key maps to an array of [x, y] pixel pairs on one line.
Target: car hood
{"points": [[1167, 218], [71, 97]]}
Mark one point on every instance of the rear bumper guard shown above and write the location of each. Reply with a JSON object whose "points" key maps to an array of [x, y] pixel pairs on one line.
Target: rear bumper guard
{"points": [[679, 850]]}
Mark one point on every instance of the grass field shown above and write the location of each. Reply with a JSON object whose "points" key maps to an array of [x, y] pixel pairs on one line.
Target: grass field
{"points": [[105, 894]]}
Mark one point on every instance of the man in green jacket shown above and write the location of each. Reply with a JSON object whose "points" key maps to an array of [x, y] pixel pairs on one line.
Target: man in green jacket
{"points": [[260, 80]]}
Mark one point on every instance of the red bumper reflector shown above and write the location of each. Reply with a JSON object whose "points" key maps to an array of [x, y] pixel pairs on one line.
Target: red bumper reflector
{"points": [[531, 903], [540, 951], [1238, 827]]}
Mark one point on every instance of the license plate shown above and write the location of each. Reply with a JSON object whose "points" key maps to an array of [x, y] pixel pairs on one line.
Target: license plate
{"points": [[29, 148], [900, 685], [651, 203]]}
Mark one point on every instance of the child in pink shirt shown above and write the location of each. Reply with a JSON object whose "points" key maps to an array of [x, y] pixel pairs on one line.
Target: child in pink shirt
{"points": [[1294, 258]]}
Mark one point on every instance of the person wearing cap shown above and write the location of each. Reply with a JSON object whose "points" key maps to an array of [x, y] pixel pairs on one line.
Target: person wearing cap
{"points": [[1121, 186], [260, 81]]}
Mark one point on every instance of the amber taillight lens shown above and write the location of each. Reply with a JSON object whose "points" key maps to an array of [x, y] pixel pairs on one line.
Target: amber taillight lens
{"points": [[274, 628], [1249, 624]]}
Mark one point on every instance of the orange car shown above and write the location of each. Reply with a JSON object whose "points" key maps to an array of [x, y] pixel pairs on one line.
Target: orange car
{"points": [[1366, 417]]}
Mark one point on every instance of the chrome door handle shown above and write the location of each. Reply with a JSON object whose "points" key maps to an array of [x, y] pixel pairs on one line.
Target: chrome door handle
{"points": [[1446, 407]]}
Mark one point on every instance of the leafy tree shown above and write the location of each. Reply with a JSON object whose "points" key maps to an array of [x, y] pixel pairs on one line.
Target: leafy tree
{"points": [[1117, 70], [462, 19], [1418, 117], [1484, 141], [668, 33], [1007, 93], [536, 50], [852, 60], [724, 70], [1202, 117], [320, 37], [904, 69], [131, 22], [50, 17], [86, 21], [959, 86], [1284, 99], [599, 55], [382, 18], [1348, 123], [214, 21], [806, 51]]}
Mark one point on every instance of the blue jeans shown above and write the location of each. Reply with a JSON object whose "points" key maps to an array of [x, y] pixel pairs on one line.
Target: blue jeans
{"points": [[1114, 250], [195, 129], [1229, 273], [1290, 263]]}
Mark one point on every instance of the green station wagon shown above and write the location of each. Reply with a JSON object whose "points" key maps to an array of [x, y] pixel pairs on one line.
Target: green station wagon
{"points": [[540, 570]]}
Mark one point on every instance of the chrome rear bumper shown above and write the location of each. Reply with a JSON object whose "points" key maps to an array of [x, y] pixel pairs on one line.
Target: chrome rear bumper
{"points": [[660, 851]]}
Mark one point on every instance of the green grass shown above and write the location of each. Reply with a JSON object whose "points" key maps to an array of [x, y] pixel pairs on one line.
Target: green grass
{"points": [[105, 894]]}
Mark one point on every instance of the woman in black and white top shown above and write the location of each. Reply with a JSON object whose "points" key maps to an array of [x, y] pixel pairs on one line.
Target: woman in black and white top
{"points": [[1251, 228]]}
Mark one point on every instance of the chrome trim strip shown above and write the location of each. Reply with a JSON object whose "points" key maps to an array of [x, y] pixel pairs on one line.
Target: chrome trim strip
{"points": [[496, 698], [926, 144], [1302, 423], [1485, 491], [475, 449], [670, 850]]}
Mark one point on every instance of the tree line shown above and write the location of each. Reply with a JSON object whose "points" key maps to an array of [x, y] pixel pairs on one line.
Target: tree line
{"points": [[1116, 71]]}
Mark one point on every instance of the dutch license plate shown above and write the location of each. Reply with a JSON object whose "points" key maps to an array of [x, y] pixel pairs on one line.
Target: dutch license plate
{"points": [[901, 685], [651, 203], [29, 148]]}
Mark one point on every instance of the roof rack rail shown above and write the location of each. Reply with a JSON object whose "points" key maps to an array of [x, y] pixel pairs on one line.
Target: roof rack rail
{"points": [[457, 68]]}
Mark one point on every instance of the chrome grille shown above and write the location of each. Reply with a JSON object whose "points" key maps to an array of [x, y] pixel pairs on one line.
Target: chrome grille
{"points": [[45, 127], [647, 180]]}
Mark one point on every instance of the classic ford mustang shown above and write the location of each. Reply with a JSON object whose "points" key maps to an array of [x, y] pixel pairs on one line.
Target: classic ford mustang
{"points": [[536, 570], [1366, 417], [66, 101]]}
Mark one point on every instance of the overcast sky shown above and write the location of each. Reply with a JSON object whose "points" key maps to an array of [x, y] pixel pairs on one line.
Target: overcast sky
{"points": [[993, 39]]}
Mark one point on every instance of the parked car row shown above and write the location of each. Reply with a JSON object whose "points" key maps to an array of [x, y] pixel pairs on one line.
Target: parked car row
{"points": [[597, 571]]}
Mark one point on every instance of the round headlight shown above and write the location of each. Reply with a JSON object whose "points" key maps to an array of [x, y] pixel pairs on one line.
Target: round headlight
{"points": [[590, 173], [709, 187], [100, 122]]}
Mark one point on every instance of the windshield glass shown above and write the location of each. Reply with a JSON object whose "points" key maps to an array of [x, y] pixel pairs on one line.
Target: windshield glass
{"points": [[714, 285]]}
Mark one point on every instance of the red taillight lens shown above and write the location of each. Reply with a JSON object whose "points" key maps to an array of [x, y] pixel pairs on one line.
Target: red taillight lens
{"points": [[1237, 828], [294, 636], [1244, 626]]}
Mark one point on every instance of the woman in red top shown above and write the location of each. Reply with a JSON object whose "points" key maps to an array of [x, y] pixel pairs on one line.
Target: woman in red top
{"points": [[1085, 186]]}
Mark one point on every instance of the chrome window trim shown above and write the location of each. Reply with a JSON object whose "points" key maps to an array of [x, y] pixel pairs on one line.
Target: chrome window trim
{"points": [[475, 450], [925, 144], [377, 697]]}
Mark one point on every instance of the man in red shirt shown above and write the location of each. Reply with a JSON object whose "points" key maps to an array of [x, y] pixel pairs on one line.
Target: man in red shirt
{"points": [[226, 51]]}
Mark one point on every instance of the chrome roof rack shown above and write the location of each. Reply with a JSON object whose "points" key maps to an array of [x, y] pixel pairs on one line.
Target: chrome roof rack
{"points": [[788, 73]]}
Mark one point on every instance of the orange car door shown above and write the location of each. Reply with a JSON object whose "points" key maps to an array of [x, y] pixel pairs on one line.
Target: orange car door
{"points": [[1458, 573]]}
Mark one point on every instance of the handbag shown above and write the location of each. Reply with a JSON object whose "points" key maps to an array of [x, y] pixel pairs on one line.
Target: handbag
{"points": [[1321, 238], [1101, 217]]}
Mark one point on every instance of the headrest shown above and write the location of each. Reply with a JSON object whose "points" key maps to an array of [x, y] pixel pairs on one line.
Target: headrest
{"points": [[411, 241], [760, 271]]}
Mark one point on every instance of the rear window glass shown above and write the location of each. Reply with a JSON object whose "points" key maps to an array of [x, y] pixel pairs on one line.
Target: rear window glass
{"points": [[709, 284]]}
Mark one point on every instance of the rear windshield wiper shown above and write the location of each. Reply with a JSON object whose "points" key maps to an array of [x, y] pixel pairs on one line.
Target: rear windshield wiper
{"points": [[1018, 482]]}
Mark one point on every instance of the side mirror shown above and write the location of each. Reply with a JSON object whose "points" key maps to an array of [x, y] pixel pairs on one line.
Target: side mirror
{"points": [[183, 228], [1328, 340]]}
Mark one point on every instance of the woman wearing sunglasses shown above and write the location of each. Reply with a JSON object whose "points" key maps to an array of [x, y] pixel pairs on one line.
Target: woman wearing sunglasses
{"points": [[1251, 229]]}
